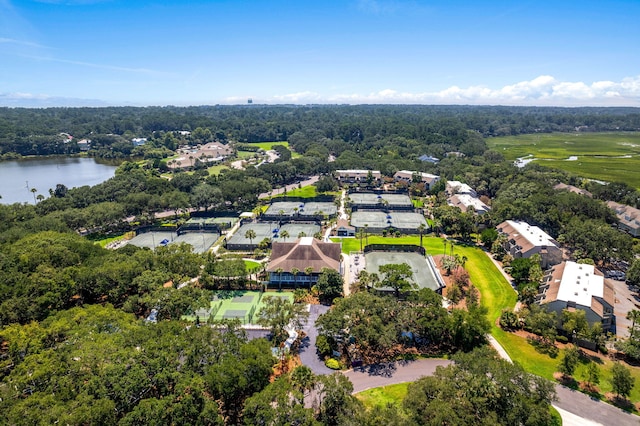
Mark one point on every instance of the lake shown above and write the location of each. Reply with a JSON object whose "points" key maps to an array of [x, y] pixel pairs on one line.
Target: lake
{"points": [[17, 177]]}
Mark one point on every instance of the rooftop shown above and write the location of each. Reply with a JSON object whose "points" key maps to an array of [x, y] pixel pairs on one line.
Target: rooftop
{"points": [[579, 283], [533, 234]]}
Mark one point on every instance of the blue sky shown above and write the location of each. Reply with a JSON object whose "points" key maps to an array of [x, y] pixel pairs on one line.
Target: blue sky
{"points": [[139, 52]]}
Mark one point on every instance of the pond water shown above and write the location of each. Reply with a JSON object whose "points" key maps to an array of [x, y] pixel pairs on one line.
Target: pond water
{"points": [[19, 177]]}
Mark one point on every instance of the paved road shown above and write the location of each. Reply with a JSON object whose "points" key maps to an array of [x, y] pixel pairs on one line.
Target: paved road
{"points": [[577, 408], [308, 355], [373, 376], [594, 410]]}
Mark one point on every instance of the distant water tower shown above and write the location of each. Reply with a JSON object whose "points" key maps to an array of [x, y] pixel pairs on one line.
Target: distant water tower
{"points": [[249, 101]]}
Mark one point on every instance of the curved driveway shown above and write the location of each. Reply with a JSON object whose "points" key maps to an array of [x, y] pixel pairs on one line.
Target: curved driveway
{"points": [[374, 376], [308, 354]]}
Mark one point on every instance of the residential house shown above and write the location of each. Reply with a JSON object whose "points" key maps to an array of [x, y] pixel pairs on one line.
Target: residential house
{"points": [[570, 285], [138, 141], [628, 217], [84, 144], [372, 177], [306, 252], [524, 240], [456, 187], [564, 187], [429, 159], [408, 176], [465, 202], [464, 197]]}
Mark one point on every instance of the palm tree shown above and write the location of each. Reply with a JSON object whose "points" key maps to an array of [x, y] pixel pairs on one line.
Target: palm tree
{"points": [[250, 234], [40, 197], [437, 225], [421, 229], [294, 272], [33, 191], [634, 317], [360, 234], [302, 234], [366, 233], [309, 270], [279, 272], [284, 235], [303, 379]]}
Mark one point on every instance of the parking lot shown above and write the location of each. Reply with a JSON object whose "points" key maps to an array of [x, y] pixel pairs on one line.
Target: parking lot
{"points": [[626, 300]]}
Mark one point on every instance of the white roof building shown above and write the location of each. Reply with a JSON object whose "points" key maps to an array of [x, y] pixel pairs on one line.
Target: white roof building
{"points": [[407, 176], [572, 285], [457, 187]]}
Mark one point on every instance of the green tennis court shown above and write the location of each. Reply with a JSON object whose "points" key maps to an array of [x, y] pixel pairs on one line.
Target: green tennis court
{"points": [[235, 304]]}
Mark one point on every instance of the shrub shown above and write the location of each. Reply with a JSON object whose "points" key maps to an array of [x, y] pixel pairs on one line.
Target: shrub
{"points": [[562, 339], [332, 363], [299, 295], [323, 346]]}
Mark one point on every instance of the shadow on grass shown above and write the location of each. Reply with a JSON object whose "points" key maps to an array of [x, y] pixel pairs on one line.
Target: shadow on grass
{"points": [[591, 390], [567, 381], [543, 347], [622, 403]]}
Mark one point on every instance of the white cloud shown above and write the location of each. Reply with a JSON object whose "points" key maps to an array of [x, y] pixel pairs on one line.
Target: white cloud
{"points": [[38, 100], [544, 90], [4, 40]]}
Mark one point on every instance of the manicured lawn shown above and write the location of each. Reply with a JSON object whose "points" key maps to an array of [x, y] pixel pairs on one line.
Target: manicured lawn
{"points": [[304, 192], [393, 394], [604, 156], [267, 146], [353, 244], [246, 154], [215, 170], [251, 265]]}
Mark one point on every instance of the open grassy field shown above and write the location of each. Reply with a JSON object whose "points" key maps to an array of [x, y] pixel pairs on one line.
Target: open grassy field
{"points": [[603, 156], [304, 192], [392, 394], [267, 146], [251, 265], [215, 170]]}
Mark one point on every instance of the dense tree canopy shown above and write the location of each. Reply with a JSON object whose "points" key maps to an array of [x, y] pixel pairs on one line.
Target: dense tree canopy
{"points": [[99, 365], [480, 389], [381, 327]]}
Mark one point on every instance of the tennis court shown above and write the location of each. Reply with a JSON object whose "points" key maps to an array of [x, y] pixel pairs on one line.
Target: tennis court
{"points": [[383, 200], [222, 222], [236, 304], [200, 242], [406, 221], [315, 208], [284, 209], [423, 273], [263, 230], [294, 229]]}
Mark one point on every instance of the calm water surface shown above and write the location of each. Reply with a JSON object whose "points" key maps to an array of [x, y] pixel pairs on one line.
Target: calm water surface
{"points": [[19, 176]]}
